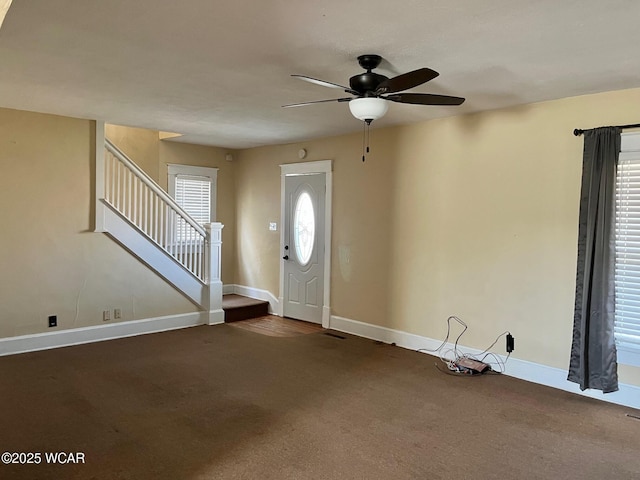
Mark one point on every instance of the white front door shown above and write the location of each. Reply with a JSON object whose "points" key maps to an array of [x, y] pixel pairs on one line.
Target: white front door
{"points": [[303, 249]]}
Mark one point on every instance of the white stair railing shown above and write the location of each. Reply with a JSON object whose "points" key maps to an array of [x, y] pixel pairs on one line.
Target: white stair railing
{"points": [[137, 197]]}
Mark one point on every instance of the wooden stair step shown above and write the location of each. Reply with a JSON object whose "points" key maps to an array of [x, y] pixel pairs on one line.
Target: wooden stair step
{"points": [[238, 307]]}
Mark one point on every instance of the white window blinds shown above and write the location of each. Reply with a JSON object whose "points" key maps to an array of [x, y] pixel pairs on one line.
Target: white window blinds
{"points": [[627, 264], [193, 193], [194, 189]]}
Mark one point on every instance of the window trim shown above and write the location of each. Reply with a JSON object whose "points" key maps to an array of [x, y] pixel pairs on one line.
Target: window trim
{"points": [[211, 172]]}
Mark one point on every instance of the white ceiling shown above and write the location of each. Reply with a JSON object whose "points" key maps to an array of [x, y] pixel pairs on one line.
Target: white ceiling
{"points": [[218, 71]]}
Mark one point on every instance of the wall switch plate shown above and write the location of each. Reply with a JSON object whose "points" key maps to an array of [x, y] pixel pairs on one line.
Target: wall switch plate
{"points": [[106, 315], [273, 226], [117, 314], [53, 320]]}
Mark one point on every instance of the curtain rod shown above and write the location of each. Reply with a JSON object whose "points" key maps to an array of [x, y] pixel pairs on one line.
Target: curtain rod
{"points": [[577, 132]]}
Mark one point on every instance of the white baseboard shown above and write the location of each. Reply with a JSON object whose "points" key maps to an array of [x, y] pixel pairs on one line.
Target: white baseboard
{"points": [[254, 293], [99, 333], [627, 395]]}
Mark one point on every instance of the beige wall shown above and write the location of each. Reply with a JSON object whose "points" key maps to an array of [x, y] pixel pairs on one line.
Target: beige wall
{"points": [[474, 216], [362, 213], [51, 262], [139, 144]]}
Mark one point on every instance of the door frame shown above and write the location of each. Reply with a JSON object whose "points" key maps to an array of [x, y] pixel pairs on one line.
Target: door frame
{"points": [[318, 167]]}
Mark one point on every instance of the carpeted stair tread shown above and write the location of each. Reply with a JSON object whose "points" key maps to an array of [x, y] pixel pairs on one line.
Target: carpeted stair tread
{"points": [[238, 307]]}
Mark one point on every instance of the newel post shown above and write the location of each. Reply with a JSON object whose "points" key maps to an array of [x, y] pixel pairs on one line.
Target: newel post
{"points": [[213, 259]]}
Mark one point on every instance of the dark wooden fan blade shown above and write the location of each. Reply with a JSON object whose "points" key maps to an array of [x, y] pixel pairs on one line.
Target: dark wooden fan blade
{"points": [[406, 81], [345, 99], [324, 83], [425, 99]]}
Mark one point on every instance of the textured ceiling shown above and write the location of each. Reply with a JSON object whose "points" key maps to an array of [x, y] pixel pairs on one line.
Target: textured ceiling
{"points": [[218, 71]]}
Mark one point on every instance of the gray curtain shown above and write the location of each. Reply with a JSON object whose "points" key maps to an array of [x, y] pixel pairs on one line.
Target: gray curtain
{"points": [[593, 352]]}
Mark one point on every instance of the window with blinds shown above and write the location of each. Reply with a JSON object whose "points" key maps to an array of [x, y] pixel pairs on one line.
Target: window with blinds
{"points": [[194, 189], [194, 195], [627, 248]]}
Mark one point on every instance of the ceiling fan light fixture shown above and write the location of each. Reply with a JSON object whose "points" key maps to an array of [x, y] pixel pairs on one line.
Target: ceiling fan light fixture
{"points": [[368, 108]]}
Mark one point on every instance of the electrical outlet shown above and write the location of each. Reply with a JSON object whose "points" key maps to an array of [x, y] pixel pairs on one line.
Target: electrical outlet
{"points": [[511, 343], [106, 315], [273, 226], [117, 314], [53, 320]]}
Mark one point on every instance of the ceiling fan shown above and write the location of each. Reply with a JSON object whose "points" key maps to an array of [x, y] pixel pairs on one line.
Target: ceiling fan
{"points": [[371, 91]]}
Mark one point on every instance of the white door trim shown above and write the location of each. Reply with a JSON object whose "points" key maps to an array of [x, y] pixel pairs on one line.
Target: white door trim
{"points": [[320, 166]]}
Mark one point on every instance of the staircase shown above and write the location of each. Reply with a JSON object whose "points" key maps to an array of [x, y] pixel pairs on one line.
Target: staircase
{"points": [[138, 214]]}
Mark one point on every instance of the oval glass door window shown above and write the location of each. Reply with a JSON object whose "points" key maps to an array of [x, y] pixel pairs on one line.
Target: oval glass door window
{"points": [[304, 228]]}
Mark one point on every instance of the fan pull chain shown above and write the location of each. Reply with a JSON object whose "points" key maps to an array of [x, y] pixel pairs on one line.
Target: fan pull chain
{"points": [[366, 135], [364, 138]]}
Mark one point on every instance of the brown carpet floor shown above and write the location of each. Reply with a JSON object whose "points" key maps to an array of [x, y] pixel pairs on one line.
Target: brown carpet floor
{"points": [[223, 402]]}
